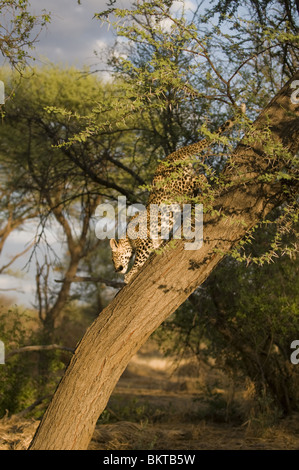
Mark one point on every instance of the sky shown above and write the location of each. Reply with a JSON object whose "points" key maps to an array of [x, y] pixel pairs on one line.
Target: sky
{"points": [[73, 34], [70, 39]]}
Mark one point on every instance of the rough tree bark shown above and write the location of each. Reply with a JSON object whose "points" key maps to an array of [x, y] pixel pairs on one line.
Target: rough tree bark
{"points": [[163, 284]]}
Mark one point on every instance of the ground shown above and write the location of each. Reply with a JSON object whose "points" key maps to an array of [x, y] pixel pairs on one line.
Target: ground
{"points": [[160, 404]]}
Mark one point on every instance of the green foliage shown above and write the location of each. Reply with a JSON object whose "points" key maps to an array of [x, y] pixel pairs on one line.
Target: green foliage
{"points": [[280, 233], [198, 54], [29, 376], [19, 30], [66, 122], [245, 319], [216, 407], [18, 380], [183, 68], [138, 410]]}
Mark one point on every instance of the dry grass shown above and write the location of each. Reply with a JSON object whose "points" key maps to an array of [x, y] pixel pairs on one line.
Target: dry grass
{"points": [[157, 405], [16, 433], [204, 436]]}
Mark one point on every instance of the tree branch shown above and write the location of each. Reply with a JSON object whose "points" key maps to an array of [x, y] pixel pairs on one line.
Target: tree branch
{"points": [[48, 347], [116, 284], [27, 410], [13, 259]]}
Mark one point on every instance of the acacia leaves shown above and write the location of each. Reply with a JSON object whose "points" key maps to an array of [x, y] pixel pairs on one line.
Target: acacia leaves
{"points": [[19, 30]]}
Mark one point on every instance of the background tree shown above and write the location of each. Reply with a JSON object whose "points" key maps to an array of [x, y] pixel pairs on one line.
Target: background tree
{"points": [[245, 318], [58, 187]]}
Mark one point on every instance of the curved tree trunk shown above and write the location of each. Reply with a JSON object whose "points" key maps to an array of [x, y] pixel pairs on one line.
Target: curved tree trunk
{"points": [[163, 284]]}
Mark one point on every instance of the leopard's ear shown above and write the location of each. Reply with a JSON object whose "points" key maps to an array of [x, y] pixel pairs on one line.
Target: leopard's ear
{"points": [[113, 244]]}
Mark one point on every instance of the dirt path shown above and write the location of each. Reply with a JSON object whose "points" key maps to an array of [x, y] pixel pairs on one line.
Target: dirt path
{"points": [[157, 407]]}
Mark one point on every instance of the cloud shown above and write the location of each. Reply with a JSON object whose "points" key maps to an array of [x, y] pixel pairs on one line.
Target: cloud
{"points": [[70, 37], [73, 34], [180, 5]]}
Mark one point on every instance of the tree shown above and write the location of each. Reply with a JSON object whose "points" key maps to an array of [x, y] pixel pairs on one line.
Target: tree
{"points": [[59, 187], [14, 213], [55, 182], [19, 32], [158, 290], [39, 181], [266, 17], [245, 318]]}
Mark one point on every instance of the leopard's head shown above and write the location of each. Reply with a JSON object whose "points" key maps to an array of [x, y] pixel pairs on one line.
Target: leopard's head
{"points": [[122, 252]]}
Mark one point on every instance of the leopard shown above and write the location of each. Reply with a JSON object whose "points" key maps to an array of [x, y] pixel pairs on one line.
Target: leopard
{"points": [[175, 179]]}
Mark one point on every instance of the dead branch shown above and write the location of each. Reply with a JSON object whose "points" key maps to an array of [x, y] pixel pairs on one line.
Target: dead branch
{"points": [[48, 347], [115, 284]]}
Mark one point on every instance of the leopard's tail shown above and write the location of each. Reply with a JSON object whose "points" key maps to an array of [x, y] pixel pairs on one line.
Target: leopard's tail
{"points": [[185, 153]]}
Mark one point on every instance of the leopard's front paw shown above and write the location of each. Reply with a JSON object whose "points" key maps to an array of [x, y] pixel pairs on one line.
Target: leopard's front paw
{"points": [[130, 275], [127, 278]]}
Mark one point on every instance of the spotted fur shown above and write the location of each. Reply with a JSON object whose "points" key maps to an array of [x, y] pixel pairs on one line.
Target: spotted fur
{"points": [[175, 180]]}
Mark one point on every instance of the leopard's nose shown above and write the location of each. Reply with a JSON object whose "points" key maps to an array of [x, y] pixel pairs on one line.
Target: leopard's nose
{"points": [[120, 268]]}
